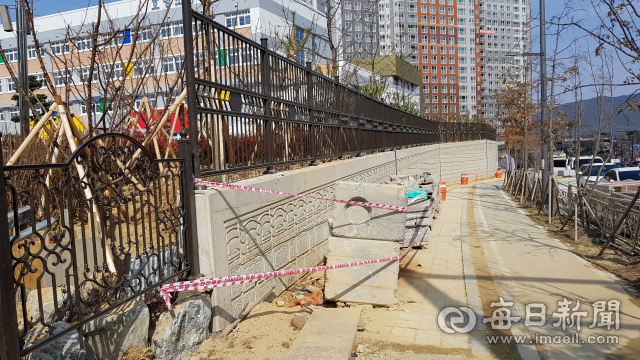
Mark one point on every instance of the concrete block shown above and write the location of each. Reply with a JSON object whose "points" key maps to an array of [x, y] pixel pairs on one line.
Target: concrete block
{"points": [[354, 221], [375, 284], [329, 334], [111, 335]]}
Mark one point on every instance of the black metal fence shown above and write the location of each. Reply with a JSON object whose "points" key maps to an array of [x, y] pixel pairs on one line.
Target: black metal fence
{"points": [[257, 109], [84, 236]]}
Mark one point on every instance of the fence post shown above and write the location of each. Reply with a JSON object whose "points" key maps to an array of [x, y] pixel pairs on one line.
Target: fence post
{"points": [[9, 337], [339, 100], [312, 118], [266, 91], [189, 203], [190, 76], [361, 123]]}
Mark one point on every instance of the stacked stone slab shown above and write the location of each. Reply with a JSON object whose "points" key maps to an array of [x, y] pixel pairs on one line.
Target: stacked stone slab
{"points": [[362, 233], [421, 211]]}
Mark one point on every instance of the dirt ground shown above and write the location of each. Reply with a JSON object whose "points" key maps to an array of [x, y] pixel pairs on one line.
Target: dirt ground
{"points": [[266, 334]]}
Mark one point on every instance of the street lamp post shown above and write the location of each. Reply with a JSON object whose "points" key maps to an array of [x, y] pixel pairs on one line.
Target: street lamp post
{"points": [[546, 146], [23, 72], [23, 77], [546, 140]]}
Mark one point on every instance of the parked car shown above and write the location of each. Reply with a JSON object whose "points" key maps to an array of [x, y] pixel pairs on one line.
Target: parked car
{"points": [[634, 163], [596, 172], [584, 160], [621, 174]]}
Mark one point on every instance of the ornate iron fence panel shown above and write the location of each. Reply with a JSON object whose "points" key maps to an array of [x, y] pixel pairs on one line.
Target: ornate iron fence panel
{"points": [[257, 109], [103, 228]]}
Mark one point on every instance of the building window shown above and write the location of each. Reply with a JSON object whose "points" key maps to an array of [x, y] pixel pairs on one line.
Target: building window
{"points": [[145, 34], [11, 55], [59, 47], [82, 44], [117, 71], [173, 64], [94, 104], [31, 53], [123, 37], [143, 67], [171, 30], [152, 101], [242, 18], [11, 85], [43, 82], [85, 74], [60, 78], [300, 37]]}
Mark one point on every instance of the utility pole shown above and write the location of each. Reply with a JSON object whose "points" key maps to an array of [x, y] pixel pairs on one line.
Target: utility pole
{"points": [[546, 145], [23, 72]]}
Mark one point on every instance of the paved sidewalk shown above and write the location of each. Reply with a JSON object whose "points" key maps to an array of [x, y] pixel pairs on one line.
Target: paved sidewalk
{"points": [[482, 248]]}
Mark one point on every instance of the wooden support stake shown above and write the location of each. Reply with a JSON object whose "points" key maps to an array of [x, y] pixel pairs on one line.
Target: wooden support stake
{"points": [[33, 133], [173, 129], [87, 193]]}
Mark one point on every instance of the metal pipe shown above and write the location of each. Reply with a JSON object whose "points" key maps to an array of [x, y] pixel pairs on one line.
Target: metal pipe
{"points": [[23, 76]]}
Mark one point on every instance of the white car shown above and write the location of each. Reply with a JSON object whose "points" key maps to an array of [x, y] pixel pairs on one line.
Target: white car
{"points": [[584, 160], [621, 174], [596, 172]]}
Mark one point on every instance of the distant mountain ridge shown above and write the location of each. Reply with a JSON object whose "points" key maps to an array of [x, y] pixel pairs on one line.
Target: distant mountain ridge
{"points": [[621, 122]]}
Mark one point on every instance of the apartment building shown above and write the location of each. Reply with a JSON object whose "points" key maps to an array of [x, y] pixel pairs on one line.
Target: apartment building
{"points": [[439, 57], [360, 35], [469, 58], [66, 48], [465, 49], [505, 34]]}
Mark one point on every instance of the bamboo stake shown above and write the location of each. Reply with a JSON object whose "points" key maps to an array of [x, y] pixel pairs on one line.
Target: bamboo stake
{"points": [[152, 119], [134, 123], [87, 192], [158, 125], [155, 140], [173, 129], [34, 132]]}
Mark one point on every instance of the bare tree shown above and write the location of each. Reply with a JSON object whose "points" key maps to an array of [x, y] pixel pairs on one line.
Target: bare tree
{"points": [[618, 28]]}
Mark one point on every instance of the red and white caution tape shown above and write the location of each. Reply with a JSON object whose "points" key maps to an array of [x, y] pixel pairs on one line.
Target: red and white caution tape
{"points": [[204, 284], [247, 188]]}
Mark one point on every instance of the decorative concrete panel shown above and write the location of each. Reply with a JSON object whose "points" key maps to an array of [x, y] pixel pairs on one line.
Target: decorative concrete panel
{"points": [[242, 232]]}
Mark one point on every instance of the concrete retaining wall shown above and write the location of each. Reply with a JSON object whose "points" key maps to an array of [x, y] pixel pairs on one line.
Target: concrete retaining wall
{"points": [[242, 232]]}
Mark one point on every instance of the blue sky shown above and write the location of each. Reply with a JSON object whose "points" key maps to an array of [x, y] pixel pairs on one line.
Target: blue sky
{"points": [[48, 7], [584, 12], [553, 7]]}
